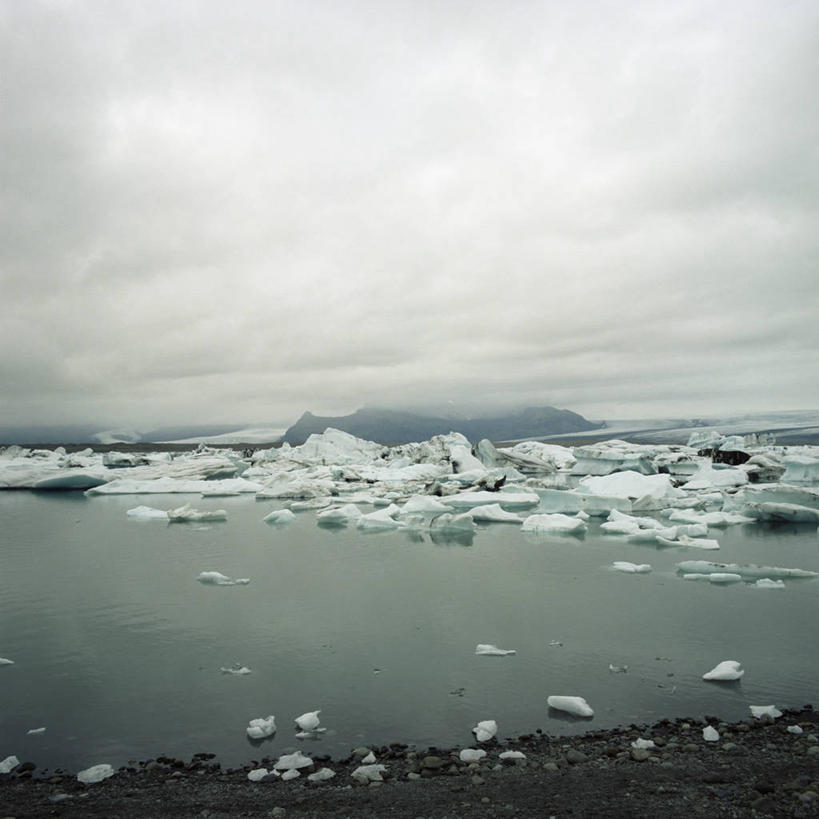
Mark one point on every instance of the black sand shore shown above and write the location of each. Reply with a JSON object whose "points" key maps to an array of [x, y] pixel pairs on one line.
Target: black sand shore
{"points": [[756, 768]]}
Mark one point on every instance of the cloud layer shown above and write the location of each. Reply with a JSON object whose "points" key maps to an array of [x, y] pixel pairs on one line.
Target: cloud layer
{"points": [[235, 212]]}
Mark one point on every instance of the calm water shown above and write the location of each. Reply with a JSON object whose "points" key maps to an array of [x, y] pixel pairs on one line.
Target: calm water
{"points": [[117, 648]]}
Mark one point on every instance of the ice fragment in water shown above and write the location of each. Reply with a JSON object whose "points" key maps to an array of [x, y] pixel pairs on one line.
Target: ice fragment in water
{"points": [[489, 650], [765, 710], [35, 731], [571, 705], [710, 734], [485, 730], [289, 762], [553, 524], [147, 513], [631, 568], [236, 669], [186, 514], [309, 721], [279, 516], [767, 583], [96, 773], [471, 754], [9, 764], [4, 661], [219, 579], [261, 727], [726, 670]]}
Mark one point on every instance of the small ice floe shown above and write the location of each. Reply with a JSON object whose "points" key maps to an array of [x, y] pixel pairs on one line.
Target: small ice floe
{"points": [[261, 727], [368, 773], [571, 705], [512, 755], [309, 722], [382, 519], [645, 744], [494, 513], [765, 711], [485, 730], [321, 775], [489, 650], [236, 669], [369, 759], [219, 579], [257, 774], [710, 734], [698, 542], [795, 729], [767, 583], [716, 577], [471, 754], [749, 572], [187, 514], [9, 764], [556, 643], [339, 515], [35, 731], [556, 524], [631, 568], [292, 762], [726, 670], [147, 513], [618, 669], [96, 773], [279, 517], [6, 661]]}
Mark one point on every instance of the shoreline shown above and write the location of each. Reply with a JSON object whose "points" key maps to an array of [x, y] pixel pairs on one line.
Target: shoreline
{"points": [[756, 767]]}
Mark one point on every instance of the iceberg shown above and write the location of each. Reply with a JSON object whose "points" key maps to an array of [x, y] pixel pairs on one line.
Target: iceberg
{"points": [[630, 485], [782, 512], [801, 469], [571, 705], [382, 519], [147, 513], [631, 568], [187, 514], [553, 524], [261, 727], [489, 650], [709, 477], [724, 671], [369, 773], [35, 731], [94, 774], [511, 756], [494, 513], [507, 500], [485, 730], [339, 515], [6, 661], [309, 721], [767, 583], [612, 456], [750, 571], [279, 517], [292, 762]]}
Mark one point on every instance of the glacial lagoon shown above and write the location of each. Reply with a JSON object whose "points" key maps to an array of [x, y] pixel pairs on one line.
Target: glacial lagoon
{"points": [[117, 648]]}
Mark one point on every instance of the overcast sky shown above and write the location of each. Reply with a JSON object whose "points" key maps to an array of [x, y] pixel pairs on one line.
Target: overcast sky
{"points": [[237, 211]]}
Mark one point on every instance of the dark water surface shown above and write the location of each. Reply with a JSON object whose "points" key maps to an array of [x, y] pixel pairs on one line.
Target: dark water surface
{"points": [[117, 647]]}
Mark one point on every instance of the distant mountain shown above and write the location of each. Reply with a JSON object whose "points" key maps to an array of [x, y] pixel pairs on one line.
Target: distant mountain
{"points": [[397, 427]]}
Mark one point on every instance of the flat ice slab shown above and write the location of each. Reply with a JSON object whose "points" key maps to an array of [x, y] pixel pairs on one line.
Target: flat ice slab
{"points": [[554, 524], [96, 773], [489, 650], [571, 705], [219, 579], [765, 711], [631, 568]]}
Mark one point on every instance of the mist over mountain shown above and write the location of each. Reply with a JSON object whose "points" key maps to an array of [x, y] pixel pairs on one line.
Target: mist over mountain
{"points": [[401, 427]]}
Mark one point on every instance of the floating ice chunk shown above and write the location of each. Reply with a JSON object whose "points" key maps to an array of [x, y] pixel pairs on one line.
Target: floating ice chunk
{"points": [[321, 775], [35, 731], [339, 515], [710, 734], [369, 759], [698, 542], [646, 744], [571, 705], [631, 568], [723, 577], [485, 730], [257, 774], [512, 755], [553, 524], [382, 519], [494, 513], [471, 754], [292, 762], [6, 661], [795, 729], [309, 721], [707, 477], [369, 773], [187, 514], [708, 518], [9, 764], [147, 513], [306, 505], [508, 500], [447, 522], [291, 773], [237, 669], [425, 505], [750, 571], [618, 669], [767, 583], [629, 484], [801, 469], [726, 670], [219, 579], [620, 527], [279, 516], [784, 512], [96, 773], [489, 650], [765, 711], [261, 727]]}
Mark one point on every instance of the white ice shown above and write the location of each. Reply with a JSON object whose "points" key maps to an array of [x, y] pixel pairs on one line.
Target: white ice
{"points": [[6, 661], [382, 519], [147, 513], [96, 773], [279, 517], [339, 515], [238, 670], [219, 579], [494, 513], [291, 773], [767, 583], [765, 710], [750, 571], [485, 730], [631, 568], [321, 775], [710, 734], [782, 512], [571, 705], [292, 762], [257, 774], [629, 485], [643, 743], [369, 773], [795, 729], [512, 755], [261, 727], [35, 731], [726, 670], [489, 650], [553, 524], [9, 764], [471, 754], [508, 500], [187, 514], [309, 721]]}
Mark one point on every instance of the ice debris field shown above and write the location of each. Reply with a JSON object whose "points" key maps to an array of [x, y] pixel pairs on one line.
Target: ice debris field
{"points": [[669, 496]]}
